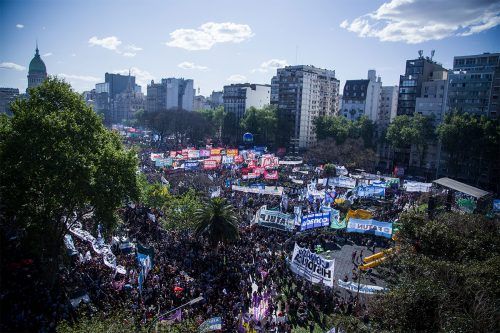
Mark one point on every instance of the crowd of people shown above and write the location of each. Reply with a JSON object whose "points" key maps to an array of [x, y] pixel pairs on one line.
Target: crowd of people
{"points": [[247, 283]]}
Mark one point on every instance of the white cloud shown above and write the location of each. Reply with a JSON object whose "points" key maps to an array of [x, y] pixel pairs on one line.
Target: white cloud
{"points": [[190, 65], [237, 78], [272, 65], [110, 43], [129, 54], [417, 21], [47, 54], [73, 54], [11, 65], [209, 34], [86, 78], [132, 47], [19, 26], [143, 78]]}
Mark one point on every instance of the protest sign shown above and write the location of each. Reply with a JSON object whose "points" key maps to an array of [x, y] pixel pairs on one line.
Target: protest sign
{"points": [[212, 324], [274, 219], [315, 221], [363, 288], [373, 227], [312, 266]]}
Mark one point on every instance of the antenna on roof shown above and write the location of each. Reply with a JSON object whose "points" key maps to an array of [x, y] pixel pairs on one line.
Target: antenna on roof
{"points": [[432, 53], [420, 53]]}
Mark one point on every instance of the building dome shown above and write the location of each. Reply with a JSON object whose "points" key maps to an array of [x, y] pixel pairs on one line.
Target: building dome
{"points": [[37, 65]]}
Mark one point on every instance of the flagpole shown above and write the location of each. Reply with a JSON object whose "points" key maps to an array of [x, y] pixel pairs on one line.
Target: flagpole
{"points": [[191, 302]]}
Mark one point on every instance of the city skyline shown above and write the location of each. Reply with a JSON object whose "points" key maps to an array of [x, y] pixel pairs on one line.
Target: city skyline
{"points": [[218, 43]]}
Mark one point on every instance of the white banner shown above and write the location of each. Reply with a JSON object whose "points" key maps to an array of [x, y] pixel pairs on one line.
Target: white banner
{"points": [[281, 162], [272, 190], [274, 219], [417, 187], [312, 266], [363, 288]]}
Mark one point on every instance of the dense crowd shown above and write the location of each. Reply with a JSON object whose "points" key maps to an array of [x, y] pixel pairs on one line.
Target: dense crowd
{"points": [[234, 280]]}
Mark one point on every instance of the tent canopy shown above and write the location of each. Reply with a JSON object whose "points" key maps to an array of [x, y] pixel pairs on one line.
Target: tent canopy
{"points": [[461, 187]]}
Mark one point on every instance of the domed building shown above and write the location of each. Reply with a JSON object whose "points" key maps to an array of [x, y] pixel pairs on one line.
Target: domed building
{"points": [[37, 71]]}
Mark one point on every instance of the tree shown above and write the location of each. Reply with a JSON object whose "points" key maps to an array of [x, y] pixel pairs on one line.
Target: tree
{"points": [[406, 131], [340, 129], [215, 118], [444, 278], [351, 154], [180, 211], [472, 146], [57, 163], [216, 220], [262, 123], [329, 171]]}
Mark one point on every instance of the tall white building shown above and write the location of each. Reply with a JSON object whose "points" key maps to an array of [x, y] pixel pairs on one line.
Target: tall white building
{"points": [[240, 97], [362, 97], [171, 93], [388, 106], [301, 94]]}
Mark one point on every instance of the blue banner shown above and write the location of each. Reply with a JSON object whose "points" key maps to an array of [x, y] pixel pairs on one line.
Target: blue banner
{"points": [[315, 221], [212, 324], [191, 165], [370, 191], [372, 227]]}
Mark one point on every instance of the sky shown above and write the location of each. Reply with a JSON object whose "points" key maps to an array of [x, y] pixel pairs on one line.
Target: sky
{"points": [[219, 42]]}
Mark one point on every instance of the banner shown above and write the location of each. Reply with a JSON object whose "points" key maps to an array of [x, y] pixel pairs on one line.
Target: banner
{"points": [[312, 266], [215, 151], [372, 227], [155, 156], [335, 220], [163, 162], [209, 164], [227, 159], [232, 152], [317, 220], [359, 214], [341, 170], [366, 191], [204, 153], [269, 161], [272, 190], [250, 175], [363, 288], [273, 175], [343, 181], [191, 165], [496, 205], [274, 219], [238, 159], [281, 162], [417, 187], [212, 324], [193, 154]]}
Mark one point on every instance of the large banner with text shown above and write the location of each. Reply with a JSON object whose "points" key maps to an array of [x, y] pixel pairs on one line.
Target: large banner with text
{"points": [[312, 266]]}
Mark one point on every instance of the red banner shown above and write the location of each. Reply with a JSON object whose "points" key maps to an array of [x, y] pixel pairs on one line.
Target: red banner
{"points": [[209, 164], [238, 159], [273, 175]]}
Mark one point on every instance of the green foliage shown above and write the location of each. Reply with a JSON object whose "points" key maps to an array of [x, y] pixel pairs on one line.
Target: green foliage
{"points": [[118, 321], [351, 153], [215, 120], [445, 277], [154, 195], [405, 131], [262, 123], [472, 144], [340, 129], [216, 220], [57, 158], [180, 211]]}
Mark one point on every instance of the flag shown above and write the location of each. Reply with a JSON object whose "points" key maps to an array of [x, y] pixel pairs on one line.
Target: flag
{"points": [[173, 318]]}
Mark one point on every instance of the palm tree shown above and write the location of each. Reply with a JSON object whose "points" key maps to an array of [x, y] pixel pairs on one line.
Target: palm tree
{"points": [[216, 221], [328, 171]]}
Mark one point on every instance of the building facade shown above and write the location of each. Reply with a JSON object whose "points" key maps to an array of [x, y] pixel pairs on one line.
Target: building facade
{"points": [[7, 96], [304, 93], [474, 85], [216, 99], [171, 93], [362, 97], [417, 72], [240, 97]]}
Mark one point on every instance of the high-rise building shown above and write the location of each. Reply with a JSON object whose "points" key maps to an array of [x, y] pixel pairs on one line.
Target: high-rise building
{"points": [[201, 103], [118, 83], [304, 93], [362, 97], [417, 72], [216, 99], [386, 113], [171, 93], [7, 96], [240, 97], [474, 84], [37, 72]]}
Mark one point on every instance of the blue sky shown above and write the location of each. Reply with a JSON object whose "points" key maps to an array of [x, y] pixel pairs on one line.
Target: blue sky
{"points": [[218, 42]]}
